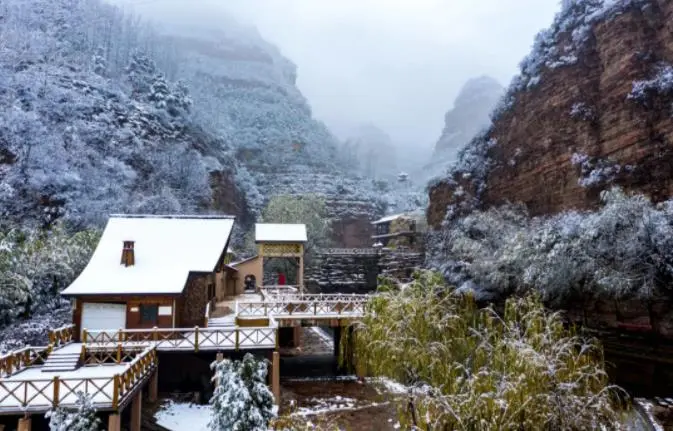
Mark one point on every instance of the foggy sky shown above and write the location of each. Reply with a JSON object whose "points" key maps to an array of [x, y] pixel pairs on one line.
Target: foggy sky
{"points": [[398, 64]]}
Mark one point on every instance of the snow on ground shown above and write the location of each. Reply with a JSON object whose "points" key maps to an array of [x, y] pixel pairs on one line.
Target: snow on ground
{"points": [[183, 416], [648, 407], [326, 405], [388, 385]]}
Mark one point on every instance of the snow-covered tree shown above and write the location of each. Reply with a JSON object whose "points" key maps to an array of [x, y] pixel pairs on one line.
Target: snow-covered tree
{"points": [[242, 400], [99, 61], [82, 419]]}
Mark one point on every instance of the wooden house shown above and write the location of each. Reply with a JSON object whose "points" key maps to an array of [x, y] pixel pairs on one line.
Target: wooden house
{"points": [[152, 271], [400, 231]]}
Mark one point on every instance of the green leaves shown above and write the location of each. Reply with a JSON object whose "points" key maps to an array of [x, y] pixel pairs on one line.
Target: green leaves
{"points": [[475, 369]]}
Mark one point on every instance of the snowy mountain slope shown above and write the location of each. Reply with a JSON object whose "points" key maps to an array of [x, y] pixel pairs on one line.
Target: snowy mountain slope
{"points": [[87, 126]]}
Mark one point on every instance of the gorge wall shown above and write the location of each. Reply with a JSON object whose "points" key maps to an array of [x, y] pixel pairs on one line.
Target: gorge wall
{"points": [[592, 107]]}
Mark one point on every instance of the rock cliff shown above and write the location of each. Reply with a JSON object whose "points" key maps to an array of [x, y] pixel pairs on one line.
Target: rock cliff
{"points": [[591, 107]]}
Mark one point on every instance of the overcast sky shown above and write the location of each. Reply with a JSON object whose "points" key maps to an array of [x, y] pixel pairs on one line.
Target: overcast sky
{"points": [[398, 64]]}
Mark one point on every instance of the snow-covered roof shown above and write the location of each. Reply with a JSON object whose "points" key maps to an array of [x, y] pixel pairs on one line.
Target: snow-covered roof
{"points": [[279, 232], [166, 250], [387, 219]]}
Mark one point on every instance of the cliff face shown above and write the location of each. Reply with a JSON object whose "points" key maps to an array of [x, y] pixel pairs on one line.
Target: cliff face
{"points": [[592, 107]]}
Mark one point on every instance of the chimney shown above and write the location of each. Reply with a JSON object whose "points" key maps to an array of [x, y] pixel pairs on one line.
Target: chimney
{"points": [[128, 257]]}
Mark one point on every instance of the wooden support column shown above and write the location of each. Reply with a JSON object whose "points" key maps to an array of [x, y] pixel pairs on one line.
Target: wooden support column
{"points": [[154, 387], [296, 336], [137, 411], [275, 377], [114, 422], [300, 274], [337, 341], [25, 423]]}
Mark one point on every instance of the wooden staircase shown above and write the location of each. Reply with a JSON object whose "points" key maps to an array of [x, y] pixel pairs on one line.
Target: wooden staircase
{"points": [[61, 361]]}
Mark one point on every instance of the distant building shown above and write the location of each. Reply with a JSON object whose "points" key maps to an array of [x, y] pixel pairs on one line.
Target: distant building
{"points": [[400, 231]]}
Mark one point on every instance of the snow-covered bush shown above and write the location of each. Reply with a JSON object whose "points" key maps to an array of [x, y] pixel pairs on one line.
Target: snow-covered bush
{"points": [[660, 85], [596, 172], [82, 419], [242, 400], [621, 250], [471, 368], [582, 111]]}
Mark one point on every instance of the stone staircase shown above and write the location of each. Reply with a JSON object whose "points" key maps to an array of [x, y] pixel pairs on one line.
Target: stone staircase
{"points": [[68, 360]]}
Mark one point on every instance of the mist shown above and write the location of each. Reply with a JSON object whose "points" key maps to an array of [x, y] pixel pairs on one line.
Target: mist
{"points": [[397, 64]]}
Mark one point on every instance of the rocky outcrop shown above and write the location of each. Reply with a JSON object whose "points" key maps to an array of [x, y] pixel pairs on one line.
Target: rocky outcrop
{"points": [[591, 108], [400, 265], [469, 115]]}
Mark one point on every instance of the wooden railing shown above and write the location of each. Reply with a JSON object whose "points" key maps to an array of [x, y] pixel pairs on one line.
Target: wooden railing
{"points": [[271, 291], [106, 392], [109, 354], [181, 339], [315, 306], [62, 336], [20, 359]]}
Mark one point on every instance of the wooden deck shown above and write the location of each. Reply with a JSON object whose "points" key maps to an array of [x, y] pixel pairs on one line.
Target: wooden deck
{"points": [[110, 376]]}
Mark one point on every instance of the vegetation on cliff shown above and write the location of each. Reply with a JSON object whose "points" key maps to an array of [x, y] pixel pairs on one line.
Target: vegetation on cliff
{"points": [[474, 369], [623, 250]]}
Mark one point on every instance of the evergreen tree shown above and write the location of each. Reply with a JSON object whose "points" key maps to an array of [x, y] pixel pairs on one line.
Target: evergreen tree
{"points": [[242, 401], [82, 419], [100, 66], [142, 74]]}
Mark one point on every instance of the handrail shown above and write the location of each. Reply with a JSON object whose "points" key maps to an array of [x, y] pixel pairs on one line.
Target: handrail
{"points": [[18, 360], [350, 306], [171, 339], [62, 336]]}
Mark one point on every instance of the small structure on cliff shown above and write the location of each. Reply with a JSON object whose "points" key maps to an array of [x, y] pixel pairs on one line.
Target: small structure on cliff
{"points": [[400, 231]]}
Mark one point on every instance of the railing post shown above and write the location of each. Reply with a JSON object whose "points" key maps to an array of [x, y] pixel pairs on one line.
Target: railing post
{"points": [[57, 387], [155, 334], [120, 335], [119, 353], [83, 353], [115, 392], [236, 346], [196, 339], [85, 335]]}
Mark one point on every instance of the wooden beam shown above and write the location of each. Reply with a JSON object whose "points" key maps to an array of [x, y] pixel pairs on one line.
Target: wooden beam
{"points": [[275, 377], [114, 422], [154, 387], [137, 411], [25, 423]]}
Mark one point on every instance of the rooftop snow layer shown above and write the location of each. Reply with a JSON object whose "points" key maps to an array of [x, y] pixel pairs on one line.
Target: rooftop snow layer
{"points": [[278, 232], [166, 250]]}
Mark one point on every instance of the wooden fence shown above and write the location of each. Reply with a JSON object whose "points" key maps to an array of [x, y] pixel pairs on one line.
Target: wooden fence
{"points": [[184, 339], [301, 306], [21, 359], [107, 392]]}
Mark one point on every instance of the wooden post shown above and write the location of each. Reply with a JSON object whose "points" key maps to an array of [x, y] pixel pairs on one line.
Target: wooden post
{"points": [[275, 377], [25, 423], [114, 422], [136, 411], [154, 387], [300, 274], [196, 339], [119, 353], [296, 336], [85, 335], [115, 391], [57, 386]]}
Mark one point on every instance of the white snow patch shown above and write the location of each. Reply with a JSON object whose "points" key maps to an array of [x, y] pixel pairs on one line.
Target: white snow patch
{"points": [[324, 336], [184, 416]]}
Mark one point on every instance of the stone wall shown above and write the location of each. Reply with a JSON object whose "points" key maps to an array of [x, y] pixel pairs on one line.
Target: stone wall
{"points": [[194, 300], [357, 270], [400, 265]]}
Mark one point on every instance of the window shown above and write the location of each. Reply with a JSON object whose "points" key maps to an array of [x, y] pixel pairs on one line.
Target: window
{"points": [[149, 313]]}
